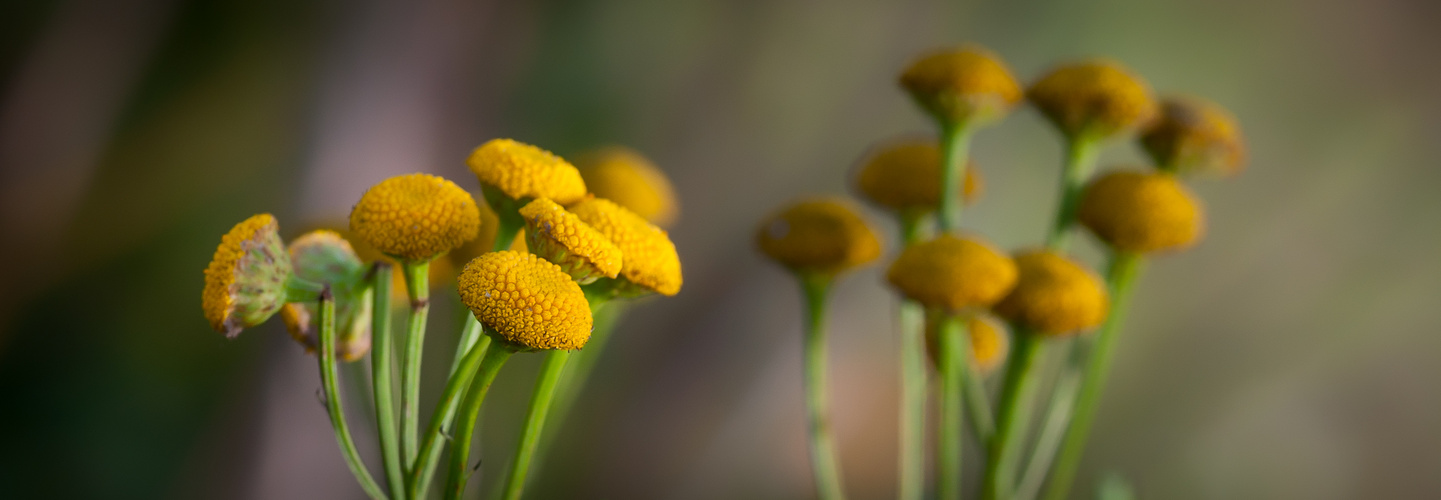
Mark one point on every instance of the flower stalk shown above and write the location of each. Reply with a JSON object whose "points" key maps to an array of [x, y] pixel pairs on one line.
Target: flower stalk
{"points": [[825, 464], [1081, 154], [382, 361], [459, 471], [330, 386], [1017, 401], [954, 347], [417, 284]]}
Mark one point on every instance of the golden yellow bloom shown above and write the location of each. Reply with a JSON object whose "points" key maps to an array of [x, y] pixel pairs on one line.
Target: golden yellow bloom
{"points": [[905, 176], [522, 171], [953, 273], [561, 238], [326, 257], [1142, 212], [526, 302], [245, 281], [621, 175], [1095, 99], [1194, 135], [825, 236], [963, 85], [989, 341], [415, 217], [1055, 295], [649, 259]]}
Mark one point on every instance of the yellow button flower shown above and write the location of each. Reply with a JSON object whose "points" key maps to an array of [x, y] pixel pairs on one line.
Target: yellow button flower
{"points": [[989, 341], [525, 302], [1093, 99], [245, 281], [621, 175], [415, 217], [521, 171], [1055, 295], [1142, 212], [953, 273], [650, 262], [326, 257], [1194, 135], [963, 85], [824, 236], [561, 238], [905, 176]]}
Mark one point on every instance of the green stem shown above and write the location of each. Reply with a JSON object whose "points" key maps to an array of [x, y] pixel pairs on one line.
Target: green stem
{"points": [[1018, 395], [382, 360], [1053, 428], [332, 398], [1120, 277], [507, 213], [540, 402], [469, 336], [978, 406], [954, 352], [577, 373], [1081, 153], [825, 463], [442, 420], [417, 283], [459, 470], [955, 155], [911, 457]]}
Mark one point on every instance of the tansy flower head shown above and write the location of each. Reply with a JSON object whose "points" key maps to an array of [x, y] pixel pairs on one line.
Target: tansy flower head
{"points": [[1093, 99], [525, 302], [824, 236], [650, 263], [1141, 212], [325, 257], [561, 238], [905, 176], [989, 343], [415, 217], [953, 273], [621, 175], [245, 281], [1194, 135], [1055, 295], [520, 171], [963, 85]]}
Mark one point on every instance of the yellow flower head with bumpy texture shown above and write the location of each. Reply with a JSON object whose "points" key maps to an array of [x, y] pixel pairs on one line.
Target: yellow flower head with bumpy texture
{"points": [[968, 84], [1055, 295], [989, 342], [905, 176], [621, 175], [1093, 99], [823, 236], [526, 302], [1142, 212], [415, 217], [650, 260], [522, 171], [245, 281], [561, 238], [1194, 135], [953, 273]]}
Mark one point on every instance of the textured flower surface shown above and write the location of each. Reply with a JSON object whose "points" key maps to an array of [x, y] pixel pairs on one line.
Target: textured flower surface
{"points": [[905, 176], [953, 273], [821, 235], [563, 239], [245, 281], [1194, 135], [622, 175], [1142, 212], [522, 171], [968, 84], [1095, 99], [529, 303], [650, 258], [1055, 295], [415, 217], [989, 342]]}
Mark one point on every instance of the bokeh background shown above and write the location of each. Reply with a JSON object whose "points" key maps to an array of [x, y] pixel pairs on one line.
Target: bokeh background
{"points": [[1294, 354]]}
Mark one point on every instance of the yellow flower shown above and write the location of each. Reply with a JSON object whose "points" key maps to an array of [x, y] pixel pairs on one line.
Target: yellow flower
{"points": [[1141, 212], [525, 302], [623, 176], [953, 273], [415, 217], [963, 85], [649, 259], [561, 238], [521, 171], [1194, 135], [989, 342], [1093, 99], [905, 176], [1055, 295], [824, 236], [245, 281], [326, 257]]}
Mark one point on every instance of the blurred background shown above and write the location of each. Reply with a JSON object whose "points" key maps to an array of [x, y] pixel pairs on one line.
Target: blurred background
{"points": [[1293, 354]]}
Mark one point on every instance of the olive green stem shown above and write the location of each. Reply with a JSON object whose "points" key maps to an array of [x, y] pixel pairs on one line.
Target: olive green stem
{"points": [[1053, 428], [911, 455], [382, 364], [1120, 278], [442, 420], [469, 336], [332, 398], [1018, 394], [577, 374], [540, 401], [459, 471], [955, 155], [417, 283], [953, 341], [825, 464], [1081, 154]]}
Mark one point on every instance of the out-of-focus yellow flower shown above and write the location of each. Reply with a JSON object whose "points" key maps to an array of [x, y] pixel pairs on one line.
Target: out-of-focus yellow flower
{"points": [[623, 176], [953, 273], [561, 238], [521, 171], [525, 302], [325, 257], [1094, 99], [1142, 212], [967, 85], [1195, 135], [1055, 295], [650, 262], [245, 281], [415, 217], [821, 236], [904, 175], [989, 341]]}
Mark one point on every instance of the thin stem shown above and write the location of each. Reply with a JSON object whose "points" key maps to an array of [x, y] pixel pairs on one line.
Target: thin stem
{"points": [[1053, 428], [417, 283], [382, 360], [911, 457], [540, 401], [469, 336], [507, 212], [955, 155], [577, 373], [459, 470], [442, 420], [332, 397], [824, 461], [1018, 395], [978, 406], [954, 352], [1120, 277], [1081, 153]]}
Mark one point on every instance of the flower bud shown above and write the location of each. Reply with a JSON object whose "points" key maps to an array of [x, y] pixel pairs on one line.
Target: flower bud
{"points": [[245, 283], [325, 257], [649, 262], [1093, 100], [621, 175], [1142, 212], [967, 85], [953, 273], [561, 238], [1195, 136], [525, 302], [1054, 296], [823, 236], [905, 176], [415, 217]]}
